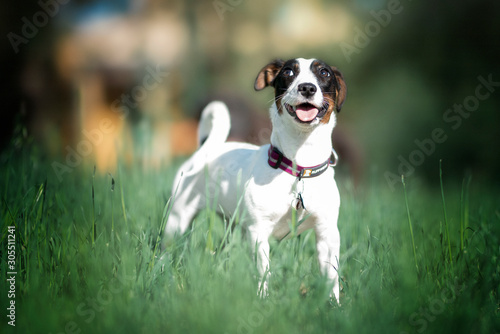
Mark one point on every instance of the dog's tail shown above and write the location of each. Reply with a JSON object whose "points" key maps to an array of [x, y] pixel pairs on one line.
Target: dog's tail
{"points": [[213, 131], [214, 125]]}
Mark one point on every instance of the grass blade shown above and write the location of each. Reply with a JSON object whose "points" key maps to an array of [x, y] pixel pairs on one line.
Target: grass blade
{"points": [[444, 210], [211, 210], [112, 204], [464, 210], [231, 223], [93, 209], [409, 222], [163, 224], [122, 197]]}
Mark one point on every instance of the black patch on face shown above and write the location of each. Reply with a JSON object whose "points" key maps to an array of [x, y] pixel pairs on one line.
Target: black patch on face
{"points": [[285, 77], [326, 78]]}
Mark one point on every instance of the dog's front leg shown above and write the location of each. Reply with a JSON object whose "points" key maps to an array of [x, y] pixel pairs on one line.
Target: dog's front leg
{"points": [[259, 237], [328, 248]]}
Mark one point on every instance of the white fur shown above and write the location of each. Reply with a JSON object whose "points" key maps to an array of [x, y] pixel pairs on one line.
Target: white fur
{"points": [[239, 169]]}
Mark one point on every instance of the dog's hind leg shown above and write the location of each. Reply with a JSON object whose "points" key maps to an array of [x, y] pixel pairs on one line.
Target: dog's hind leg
{"points": [[185, 203], [182, 213]]}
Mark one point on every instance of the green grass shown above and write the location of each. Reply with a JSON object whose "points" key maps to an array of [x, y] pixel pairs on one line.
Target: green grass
{"points": [[88, 261]]}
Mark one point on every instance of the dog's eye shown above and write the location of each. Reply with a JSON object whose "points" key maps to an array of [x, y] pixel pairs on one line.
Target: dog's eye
{"points": [[324, 73], [288, 72]]}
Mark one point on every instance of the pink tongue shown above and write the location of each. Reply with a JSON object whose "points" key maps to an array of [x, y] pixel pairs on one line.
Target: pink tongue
{"points": [[306, 113]]}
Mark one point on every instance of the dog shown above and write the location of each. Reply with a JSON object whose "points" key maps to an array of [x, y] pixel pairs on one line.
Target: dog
{"points": [[293, 172]]}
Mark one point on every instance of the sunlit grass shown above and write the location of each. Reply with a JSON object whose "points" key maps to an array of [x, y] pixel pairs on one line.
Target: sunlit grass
{"points": [[89, 259]]}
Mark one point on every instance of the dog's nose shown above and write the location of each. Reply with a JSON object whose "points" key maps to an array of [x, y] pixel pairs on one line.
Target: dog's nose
{"points": [[307, 89]]}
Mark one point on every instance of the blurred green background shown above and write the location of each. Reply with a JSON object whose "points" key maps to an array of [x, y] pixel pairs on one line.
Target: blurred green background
{"points": [[148, 66], [121, 83]]}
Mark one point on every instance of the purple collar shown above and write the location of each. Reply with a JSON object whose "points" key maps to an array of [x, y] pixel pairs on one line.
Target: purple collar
{"points": [[276, 160]]}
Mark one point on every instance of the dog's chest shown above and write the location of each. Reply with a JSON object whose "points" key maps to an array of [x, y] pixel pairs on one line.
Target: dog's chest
{"points": [[287, 203]]}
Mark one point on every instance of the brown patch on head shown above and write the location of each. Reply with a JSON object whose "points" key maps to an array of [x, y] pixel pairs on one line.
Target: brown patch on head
{"points": [[335, 97], [331, 106], [340, 89], [266, 77], [279, 106], [267, 74]]}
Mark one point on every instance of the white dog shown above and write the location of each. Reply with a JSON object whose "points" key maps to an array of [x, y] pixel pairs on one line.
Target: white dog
{"points": [[268, 182]]}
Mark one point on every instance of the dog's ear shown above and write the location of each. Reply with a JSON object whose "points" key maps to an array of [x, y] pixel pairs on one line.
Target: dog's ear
{"points": [[341, 89], [267, 75]]}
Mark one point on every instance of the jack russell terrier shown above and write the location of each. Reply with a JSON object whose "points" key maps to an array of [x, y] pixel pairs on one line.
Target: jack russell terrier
{"points": [[268, 182]]}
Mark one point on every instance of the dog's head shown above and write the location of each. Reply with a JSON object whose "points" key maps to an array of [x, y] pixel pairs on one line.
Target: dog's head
{"points": [[308, 90]]}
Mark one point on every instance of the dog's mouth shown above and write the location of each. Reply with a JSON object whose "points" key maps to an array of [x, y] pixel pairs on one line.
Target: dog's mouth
{"points": [[306, 112]]}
